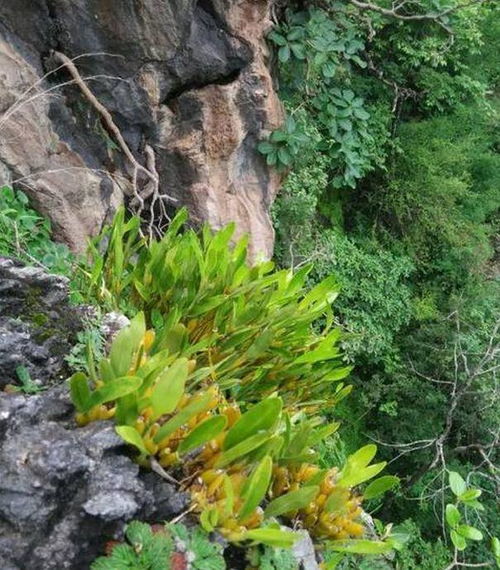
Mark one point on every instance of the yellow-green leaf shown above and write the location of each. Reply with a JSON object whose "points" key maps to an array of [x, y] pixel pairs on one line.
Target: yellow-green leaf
{"points": [[362, 475], [458, 540], [262, 416], [114, 390], [380, 486], [291, 501], [80, 392], [457, 484], [256, 487], [241, 449], [469, 532], [183, 416], [133, 437], [125, 344], [202, 433], [106, 371], [272, 537], [169, 388], [453, 515]]}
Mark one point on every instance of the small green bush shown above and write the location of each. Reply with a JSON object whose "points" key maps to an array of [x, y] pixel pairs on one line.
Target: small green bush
{"points": [[27, 236], [148, 549]]}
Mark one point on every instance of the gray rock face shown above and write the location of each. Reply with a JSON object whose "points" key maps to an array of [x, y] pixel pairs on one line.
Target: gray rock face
{"points": [[186, 77], [65, 491], [37, 325]]}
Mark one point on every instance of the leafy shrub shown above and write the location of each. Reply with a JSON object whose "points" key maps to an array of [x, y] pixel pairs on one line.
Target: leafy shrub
{"points": [[24, 234], [251, 327], [158, 549], [238, 459], [316, 50], [225, 336]]}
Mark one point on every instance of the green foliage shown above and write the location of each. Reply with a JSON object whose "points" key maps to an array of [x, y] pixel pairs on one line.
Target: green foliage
{"points": [[283, 145], [227, 335], [251, 327], [411, 240], [24, 234], [28, 386], [467, 497], [419, 553], [317, 51], [273, 559], [441, 194], [145, 551], [155, 550], [89, 341], [240, 460]]}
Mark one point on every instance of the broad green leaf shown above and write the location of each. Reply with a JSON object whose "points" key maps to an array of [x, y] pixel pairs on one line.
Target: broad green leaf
{"points": [[272, 537], [202, 433], [363, 475], [80, 392], [256, 487], [183, 416], [173, 339], [357, 470], [380, 486], [114, 390], [319, 354], [291, 501], [338, 374], [260, 345], [241, 449], [470, 495], [277, 38], [457, 484], [363, 456], [125, 344], [495, 548], [106, 371], [133, 437], [475, 505], [458, 540], [260, 417], [265, 147], [169, 388], [127, 409], [360, 546], [325, 292], [453, 515], [469, 532]]}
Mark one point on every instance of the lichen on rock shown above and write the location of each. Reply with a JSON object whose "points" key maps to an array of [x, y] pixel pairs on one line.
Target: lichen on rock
{"points": [[38, 326]]}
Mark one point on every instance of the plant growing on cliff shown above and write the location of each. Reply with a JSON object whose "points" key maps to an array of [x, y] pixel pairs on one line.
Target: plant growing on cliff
{"points": [[162, 548], [231, 461], [250, 326], [26, 235]]}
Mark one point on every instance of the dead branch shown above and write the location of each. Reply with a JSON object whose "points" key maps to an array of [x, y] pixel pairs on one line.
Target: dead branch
{"points": [[395, 11]]}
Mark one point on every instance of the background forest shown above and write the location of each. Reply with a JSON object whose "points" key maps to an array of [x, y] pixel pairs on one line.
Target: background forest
{"points": [[391, 148]]}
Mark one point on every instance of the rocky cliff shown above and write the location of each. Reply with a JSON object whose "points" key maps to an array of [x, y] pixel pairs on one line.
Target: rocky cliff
{"points": [[186, 84]]}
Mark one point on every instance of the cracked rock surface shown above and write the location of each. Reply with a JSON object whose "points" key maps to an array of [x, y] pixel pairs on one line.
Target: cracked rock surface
{"points": [[187, 77], [65, 491], [38, 327]]}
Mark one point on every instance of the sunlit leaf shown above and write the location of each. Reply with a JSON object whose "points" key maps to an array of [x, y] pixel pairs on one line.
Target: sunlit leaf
{"points": [[291, 501]]}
